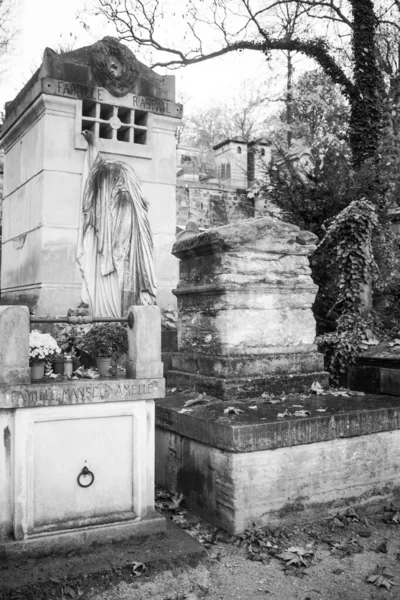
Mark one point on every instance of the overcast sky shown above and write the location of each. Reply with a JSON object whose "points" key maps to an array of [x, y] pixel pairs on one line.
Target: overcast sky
{"points": [[50, 22]]}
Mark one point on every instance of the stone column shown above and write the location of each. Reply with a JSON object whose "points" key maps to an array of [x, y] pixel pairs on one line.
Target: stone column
{"points": [[14, 345], [144, 343], [245, 322]]}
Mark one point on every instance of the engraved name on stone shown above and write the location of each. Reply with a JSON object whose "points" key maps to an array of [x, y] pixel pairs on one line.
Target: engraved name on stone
{"points": [[84, 393], [78, 91]]}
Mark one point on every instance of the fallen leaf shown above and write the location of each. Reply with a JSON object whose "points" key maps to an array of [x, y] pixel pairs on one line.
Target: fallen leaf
{"points": [[231, 410], [381, 578], [253, 407], [316, 388], [382, 548], [54, 580], [185, 410], [337, 522], [295, 556], [200, 399], [138, 569], [179, 519], [301, 413], [169, 502], [284, 414], [69, 591]]}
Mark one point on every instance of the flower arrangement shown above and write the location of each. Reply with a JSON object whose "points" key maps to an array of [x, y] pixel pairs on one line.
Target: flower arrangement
{"points": [[109, 340], [42, 346]]}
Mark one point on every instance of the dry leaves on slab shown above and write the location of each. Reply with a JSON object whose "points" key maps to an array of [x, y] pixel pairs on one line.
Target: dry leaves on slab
{"points": [[284, 414], [232, 410], [200, 399], [316, 388], [301, 413]]}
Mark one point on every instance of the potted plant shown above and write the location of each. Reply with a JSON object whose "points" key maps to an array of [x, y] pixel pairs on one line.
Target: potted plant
{"points": [[106, 342], [69, 338], [42, 347]]}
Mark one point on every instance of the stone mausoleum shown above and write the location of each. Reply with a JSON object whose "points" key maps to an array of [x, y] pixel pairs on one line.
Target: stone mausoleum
{"points": [[131, 115]]}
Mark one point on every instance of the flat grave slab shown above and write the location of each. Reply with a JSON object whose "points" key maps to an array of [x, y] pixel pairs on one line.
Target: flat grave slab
{"points": [[254, 466]]}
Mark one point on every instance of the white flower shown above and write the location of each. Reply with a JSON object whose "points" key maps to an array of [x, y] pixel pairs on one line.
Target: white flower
{"points": [[42, 346]]}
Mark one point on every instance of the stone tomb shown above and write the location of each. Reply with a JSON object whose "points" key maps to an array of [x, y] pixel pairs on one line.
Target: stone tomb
{"points": [[77, 457], [258, 467], [245, 298], [132, 114]]}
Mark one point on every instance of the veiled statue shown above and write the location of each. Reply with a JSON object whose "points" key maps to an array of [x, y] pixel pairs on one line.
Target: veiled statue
{"points": [[115, 246]]}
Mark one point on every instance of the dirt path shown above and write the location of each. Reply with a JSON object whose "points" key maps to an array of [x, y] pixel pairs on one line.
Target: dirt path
{"points": [[343, 552], [339, 555]]}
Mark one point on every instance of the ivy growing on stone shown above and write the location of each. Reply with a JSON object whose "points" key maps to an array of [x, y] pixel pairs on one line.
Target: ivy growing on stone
{"points": [[350, 241]]}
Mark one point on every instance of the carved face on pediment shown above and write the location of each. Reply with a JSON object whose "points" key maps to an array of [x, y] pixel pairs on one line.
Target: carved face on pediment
{"points": [[113, 66]]}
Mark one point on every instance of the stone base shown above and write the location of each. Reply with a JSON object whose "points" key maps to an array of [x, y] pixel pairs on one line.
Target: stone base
{"points": [[377, 371], [255, 467], [243, 387], [83, 538]]}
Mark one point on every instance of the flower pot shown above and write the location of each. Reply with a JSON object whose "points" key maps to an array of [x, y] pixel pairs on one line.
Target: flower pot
{"points": [[68, 365], [104, 366], [58, 365], [37, 370]]}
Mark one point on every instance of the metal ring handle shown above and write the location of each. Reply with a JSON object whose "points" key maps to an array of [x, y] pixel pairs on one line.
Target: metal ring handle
{"points": [[84, 473]]}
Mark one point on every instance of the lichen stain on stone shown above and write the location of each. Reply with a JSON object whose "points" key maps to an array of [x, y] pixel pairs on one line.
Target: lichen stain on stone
{"points": [[7, 445]]}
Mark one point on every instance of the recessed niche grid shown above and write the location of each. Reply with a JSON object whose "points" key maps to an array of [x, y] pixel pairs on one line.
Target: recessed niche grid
{"points": [[115, 122]]}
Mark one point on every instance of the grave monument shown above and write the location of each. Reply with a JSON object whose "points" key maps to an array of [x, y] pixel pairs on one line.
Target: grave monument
{"points": [[90, 123], [245, 297], [77, 457], [258, 447]]}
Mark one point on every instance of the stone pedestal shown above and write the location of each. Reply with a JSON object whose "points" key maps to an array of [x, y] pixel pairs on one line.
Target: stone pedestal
{"points": [[245, 321], [77, 462]]}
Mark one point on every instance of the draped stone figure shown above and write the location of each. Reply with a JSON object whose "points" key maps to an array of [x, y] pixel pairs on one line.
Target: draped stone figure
{"points": [[115, 246]]}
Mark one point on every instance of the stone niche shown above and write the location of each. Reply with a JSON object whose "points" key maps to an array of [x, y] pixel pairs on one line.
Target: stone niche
{"points": [[133, 115], [245, 297]]}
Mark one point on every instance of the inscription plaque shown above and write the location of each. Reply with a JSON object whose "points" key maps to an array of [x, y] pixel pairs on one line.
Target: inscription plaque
{"points": [[80, 392]]}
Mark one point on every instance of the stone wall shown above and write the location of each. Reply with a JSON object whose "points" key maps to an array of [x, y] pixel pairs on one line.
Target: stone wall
{"points": [[211, 205]]}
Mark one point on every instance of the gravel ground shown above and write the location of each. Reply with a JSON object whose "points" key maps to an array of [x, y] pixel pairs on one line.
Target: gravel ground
{"points": [[332, 559], [343, 552]]}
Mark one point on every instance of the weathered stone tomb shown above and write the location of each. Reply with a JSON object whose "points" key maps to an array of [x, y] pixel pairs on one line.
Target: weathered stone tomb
{"points": [[245, 297]]}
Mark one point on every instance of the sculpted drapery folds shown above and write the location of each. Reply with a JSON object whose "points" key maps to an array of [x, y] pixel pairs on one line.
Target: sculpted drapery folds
{"points": [[115, 246]]}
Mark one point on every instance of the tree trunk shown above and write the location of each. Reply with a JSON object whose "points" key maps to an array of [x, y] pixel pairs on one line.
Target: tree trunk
{"points": [[289, 98], [366, 105]]}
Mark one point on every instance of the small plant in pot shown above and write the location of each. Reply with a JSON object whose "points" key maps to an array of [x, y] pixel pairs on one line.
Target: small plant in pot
{"points": [[42, 347], [106, 342]]}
